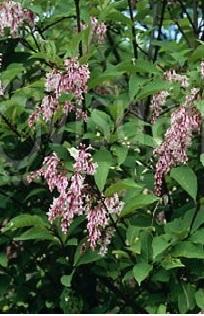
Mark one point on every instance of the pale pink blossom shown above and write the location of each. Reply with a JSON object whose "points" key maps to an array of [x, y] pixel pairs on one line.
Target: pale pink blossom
{"points": [[173, 151], [2, 89], [71, 81], [99, 30], [202, 69], [113, 204], [171, 75], [157, 103], [105, 240], [98, 221], [69, 204], [75, 198], [49, 106], [13, 16], [51, 172], [34, 117], [84, 162]]}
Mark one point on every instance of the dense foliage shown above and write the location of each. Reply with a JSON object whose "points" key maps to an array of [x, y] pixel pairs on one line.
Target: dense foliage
{"points": [[101, 156]]}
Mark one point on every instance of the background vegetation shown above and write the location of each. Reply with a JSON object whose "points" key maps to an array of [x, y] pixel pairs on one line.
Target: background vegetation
{"points": [[155, 262]]}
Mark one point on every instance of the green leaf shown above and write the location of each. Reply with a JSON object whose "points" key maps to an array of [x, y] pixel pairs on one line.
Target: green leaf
{"points": [[25, 220], [185, 298], [198, 237], [187, 179], [159, 245], [135, 84], [187, 249], [67, 279], [102, 121], [122, 185], [104, 161], [120, 152], [170, 263], [152, 88], [198, 53], [36, 233], [110, 74], [202, 159], [86, 257], [138, 202], [141, 271], [199, 220], [199, 297], [3, 259]]}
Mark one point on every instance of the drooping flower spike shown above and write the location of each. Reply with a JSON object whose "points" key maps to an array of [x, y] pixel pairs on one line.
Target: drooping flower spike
{"points": [[73, 81], [185, 121], [75, 199], [13, 16]]}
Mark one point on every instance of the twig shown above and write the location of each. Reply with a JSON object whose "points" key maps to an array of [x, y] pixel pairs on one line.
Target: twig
{"points": [[134, 43], [112, 45], [160, 29], [56, 22], [78, 17], [179, 27], [188, 15]]}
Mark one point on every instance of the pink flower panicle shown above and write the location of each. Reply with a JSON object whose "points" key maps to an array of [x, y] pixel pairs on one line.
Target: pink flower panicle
{"points": [[1, 84], [13, 16], [74, 81], [76, 78], [69, 203], [2, 89], [74, 198], [157, 103], [105, 240], [99, 30], [98, 221], [51, 172], [84, 162], [34, 117], [171, 75], [173, 151], [159, 99], [202, 69]]}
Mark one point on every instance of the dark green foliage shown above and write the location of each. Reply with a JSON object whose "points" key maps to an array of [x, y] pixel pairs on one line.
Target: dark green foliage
{"points": [[155, 263]]}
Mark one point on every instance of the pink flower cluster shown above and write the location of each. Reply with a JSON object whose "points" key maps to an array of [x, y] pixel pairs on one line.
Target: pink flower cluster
{"points": [[74, 81], [99, 30], [171, 75], [75, 199], [157, 103], [1, 84], [202, 69], [159, 99], [99, 230], [173, 151], [13, 16]]}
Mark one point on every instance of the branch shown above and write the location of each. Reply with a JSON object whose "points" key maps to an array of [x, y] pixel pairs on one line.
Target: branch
{"points": [[195, 15], [134, 43], [160, 29], [78, 17], [113, 46], [188, 16], [56, 22], [179, 27]]}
